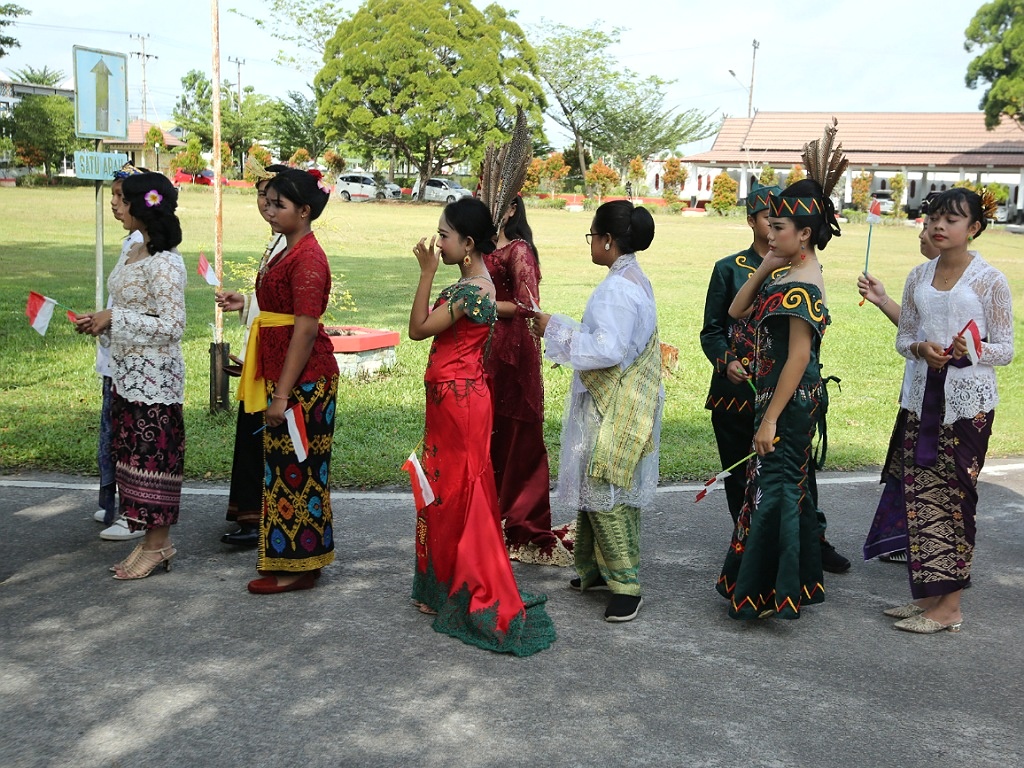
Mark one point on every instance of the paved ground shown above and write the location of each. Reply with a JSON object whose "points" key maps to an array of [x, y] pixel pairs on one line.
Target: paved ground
{"points": [[188, 669]]}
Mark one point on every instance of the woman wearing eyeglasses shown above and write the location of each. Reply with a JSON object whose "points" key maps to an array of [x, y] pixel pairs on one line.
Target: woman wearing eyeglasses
{"points": [[612, 424]]}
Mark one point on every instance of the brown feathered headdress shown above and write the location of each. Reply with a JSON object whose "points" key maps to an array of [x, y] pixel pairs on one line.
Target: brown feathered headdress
{"points": [[504, 169], [824, 159]]}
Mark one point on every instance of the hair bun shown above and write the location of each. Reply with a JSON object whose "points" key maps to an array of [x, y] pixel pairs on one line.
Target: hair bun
{"points": [[641, 224]]}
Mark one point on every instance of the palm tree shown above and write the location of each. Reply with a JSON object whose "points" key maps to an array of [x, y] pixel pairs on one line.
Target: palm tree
{"points": [[45, 76]]}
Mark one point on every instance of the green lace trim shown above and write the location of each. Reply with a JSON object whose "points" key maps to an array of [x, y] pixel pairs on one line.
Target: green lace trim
{"points": [[478, 305], [528, 633]]}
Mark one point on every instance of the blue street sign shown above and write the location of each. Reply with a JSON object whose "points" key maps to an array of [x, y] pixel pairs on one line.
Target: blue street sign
{"points": [[98, 165], [101, 94]]}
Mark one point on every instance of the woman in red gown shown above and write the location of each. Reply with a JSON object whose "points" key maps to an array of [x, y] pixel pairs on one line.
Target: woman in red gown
{"points": [[463, 574], [514, 365]]}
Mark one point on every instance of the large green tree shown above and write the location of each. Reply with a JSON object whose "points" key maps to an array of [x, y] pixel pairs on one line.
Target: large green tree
{"points": [[241, 122], [44, 131], [8, 13], [433, 80], [295, 126], [997, 29]]}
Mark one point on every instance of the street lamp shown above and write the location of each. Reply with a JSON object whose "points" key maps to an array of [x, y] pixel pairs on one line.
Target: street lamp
{"points": [[750, 98], [749, 90]]}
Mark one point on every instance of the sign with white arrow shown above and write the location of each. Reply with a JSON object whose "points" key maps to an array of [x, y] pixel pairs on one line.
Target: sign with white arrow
{"points": [[101, 94]]}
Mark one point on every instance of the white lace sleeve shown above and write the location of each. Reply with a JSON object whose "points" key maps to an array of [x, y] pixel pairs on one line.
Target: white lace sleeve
{"points": [[156, 308], [908, 330], [603, 339], [998, 303]]}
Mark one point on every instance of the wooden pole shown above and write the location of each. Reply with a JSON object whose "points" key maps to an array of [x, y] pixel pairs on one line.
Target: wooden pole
{"points": [[218, 350]]}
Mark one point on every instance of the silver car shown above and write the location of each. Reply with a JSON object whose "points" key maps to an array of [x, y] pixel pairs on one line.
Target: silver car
{"points": [[361, 186], [442, 190]]}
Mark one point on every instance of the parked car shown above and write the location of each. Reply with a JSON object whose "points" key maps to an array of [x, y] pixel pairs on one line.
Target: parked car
{"points": [[885, 201], [204, 177], [1002, 213], [442, 190], [361, 186]]}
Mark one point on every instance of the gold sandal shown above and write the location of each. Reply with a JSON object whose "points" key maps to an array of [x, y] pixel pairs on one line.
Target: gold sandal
{"points": [[128, 561], [143, 565]]}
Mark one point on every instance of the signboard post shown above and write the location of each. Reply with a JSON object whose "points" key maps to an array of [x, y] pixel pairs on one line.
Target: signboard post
{"points": [[101, 112]]}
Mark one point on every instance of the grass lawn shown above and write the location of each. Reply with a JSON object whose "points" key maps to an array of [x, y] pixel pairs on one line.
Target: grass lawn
{"points": [[50, 395]]}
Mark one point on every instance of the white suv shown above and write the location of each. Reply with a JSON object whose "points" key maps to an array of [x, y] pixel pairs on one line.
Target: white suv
{"points": [[361, 186], [442, 191]]}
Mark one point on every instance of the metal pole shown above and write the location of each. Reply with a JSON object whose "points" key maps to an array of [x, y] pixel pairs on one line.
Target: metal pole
{"points": [[750, 91]]}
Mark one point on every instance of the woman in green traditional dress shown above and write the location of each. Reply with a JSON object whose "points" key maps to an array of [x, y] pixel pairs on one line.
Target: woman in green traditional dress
{"points": [[773, 565]]}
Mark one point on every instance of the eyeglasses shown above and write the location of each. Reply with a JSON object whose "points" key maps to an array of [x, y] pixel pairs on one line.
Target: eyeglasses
{"points": [[590, 235]]}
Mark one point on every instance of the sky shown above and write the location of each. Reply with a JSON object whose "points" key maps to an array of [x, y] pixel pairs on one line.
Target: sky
{"points": [[832, 55]]}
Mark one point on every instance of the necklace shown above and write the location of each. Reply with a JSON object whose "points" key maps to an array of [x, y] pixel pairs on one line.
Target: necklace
{"points": [[483, 275]]}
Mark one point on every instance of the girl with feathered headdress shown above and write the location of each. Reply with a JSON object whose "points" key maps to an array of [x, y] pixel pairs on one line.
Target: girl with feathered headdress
{"points": [[774, 561]]}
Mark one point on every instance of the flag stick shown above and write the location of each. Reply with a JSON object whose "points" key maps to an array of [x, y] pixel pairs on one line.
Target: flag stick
{"points": [[867, 255], [747, 457]]}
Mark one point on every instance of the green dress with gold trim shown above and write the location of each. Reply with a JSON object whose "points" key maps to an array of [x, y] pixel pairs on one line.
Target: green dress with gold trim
{"points": [[774, 560]]}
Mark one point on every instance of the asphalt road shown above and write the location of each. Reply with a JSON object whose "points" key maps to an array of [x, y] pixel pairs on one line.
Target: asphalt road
{"points": [[187, 669]]}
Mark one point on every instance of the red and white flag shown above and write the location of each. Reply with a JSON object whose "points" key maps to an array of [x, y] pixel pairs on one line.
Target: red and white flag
{"points": [[421, 491], [972, 334], [206, 271], [39, 310], [712, 485], [297, 431], [874, 212]]}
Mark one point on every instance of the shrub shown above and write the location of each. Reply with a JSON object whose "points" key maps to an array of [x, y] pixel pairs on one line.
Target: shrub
{"points": [[602, 178], [724, 190], [854, 216], [768, 176], [861, 186], [897, 184], [796, 173], [300, 158]]}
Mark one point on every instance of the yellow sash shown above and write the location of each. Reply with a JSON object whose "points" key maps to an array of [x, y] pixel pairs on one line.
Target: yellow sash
{"points": [[252, 390]]}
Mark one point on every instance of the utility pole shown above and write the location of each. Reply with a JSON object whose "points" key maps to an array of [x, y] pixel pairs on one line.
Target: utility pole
{"points": [[750, 94], [143, 56], [238, 67]]}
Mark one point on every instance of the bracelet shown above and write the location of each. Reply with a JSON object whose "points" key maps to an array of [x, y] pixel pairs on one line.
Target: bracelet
{"points": [[279, 397], [884, 302], [770, 421]]}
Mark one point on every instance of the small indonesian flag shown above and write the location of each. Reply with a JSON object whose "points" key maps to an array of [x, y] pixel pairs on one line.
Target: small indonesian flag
{"points": [[874, 212], [711, 485], [972, 335], [297, 431], [39, 311], [206, 271], [421, 491]]}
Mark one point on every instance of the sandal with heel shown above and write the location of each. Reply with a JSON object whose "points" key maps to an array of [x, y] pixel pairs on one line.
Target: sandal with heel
{"points": [[143, 565], [128, 561]]}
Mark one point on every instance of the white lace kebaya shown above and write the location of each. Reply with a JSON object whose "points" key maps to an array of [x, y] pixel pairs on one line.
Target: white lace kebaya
{"points": [[146, 325], [981, 294], [618, 321]]}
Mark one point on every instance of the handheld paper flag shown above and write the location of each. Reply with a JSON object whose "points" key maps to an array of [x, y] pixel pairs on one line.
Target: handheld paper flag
{"points": [[973, 336], [874, 212], [712, 485], [39, 311], [421, 491], [206, 271], [297, 431]]}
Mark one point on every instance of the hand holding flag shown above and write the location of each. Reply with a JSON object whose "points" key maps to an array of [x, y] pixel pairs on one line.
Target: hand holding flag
{"points": [[874, 217], [971, 335], [207, 272]]}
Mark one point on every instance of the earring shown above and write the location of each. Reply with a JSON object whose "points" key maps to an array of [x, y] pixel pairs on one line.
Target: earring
{"points": [[970, 238], [467, 261], [607, 246], [803, 255]]}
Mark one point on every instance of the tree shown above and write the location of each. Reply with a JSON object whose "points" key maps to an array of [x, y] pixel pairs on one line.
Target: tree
{"points": [[601, 178], [861, 190], [768, 177], [335, 162], [636, 123], [305, 29], [997, 29], [572, 159], [724, 190], [436, 88], [300, 158], [262, 156], [897, 184], [552, 171], [44, 131], [45, 76], [9, 12], [579, 75], [673, 179], [295, 125], [637, 173], [242, 122], [796, 173], [190, 159]]}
